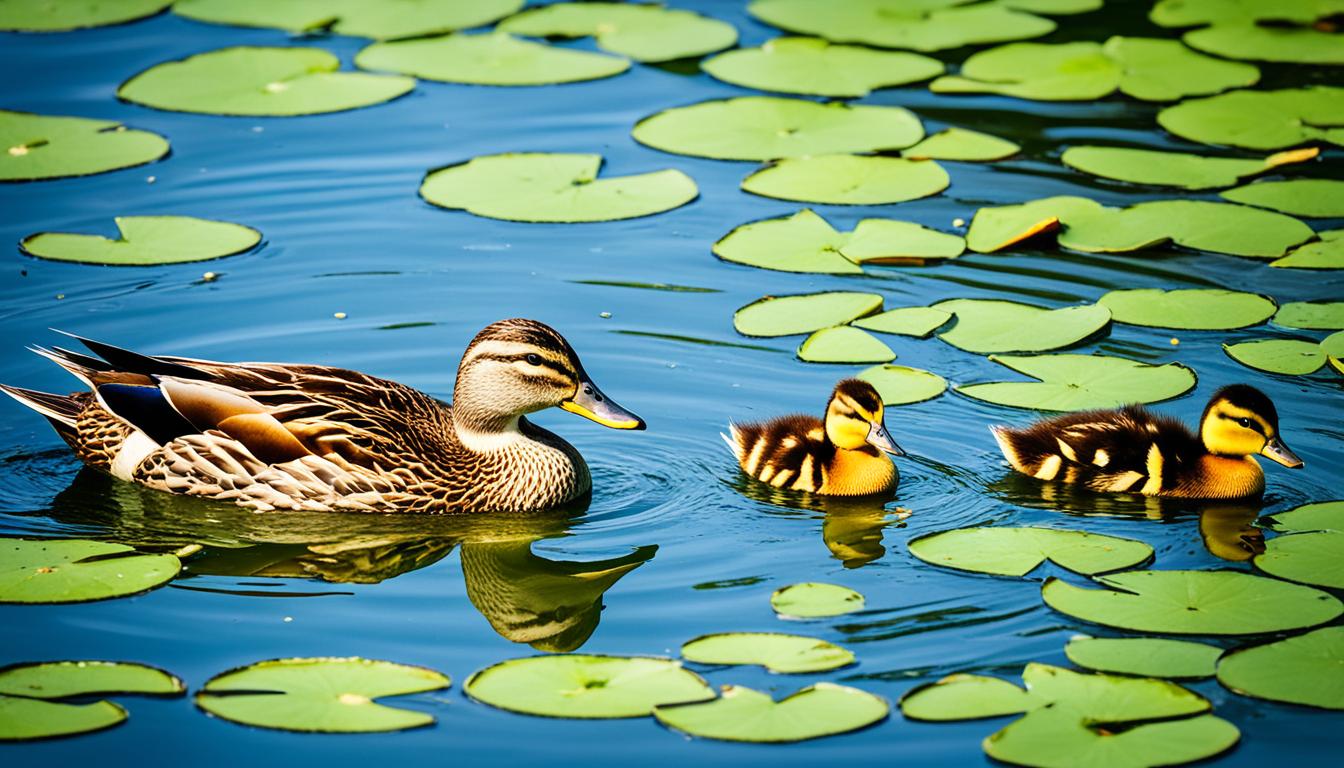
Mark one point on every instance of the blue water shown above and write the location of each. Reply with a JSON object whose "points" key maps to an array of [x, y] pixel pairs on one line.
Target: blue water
{"points": [[335, 196]]}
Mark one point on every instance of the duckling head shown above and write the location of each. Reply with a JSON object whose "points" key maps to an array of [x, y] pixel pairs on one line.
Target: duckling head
{"points": [[1240, 421], [854, 418], [516, 367]]}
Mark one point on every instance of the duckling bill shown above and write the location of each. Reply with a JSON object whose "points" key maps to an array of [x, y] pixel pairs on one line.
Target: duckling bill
{"points": [[1133, 450], [839, 456]]}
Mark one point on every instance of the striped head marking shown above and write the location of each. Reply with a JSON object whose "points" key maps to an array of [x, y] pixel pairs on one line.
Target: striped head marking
{"points": [[1241, 421], [854, 418]]}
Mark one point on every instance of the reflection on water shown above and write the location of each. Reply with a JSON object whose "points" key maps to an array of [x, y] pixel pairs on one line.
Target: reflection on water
{"points": [[851, 527]]}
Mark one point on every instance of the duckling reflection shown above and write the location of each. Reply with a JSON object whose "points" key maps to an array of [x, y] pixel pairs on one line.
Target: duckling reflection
{"points": [[851, 527], [1229, 531]]}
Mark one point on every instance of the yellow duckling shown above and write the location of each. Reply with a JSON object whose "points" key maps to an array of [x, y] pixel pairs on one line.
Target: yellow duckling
{"points": [[839, 457], [1134, 450]]}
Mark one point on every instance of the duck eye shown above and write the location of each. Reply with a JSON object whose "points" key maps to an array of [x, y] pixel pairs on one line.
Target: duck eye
{"points": [[533, 359], [1244, 422]]}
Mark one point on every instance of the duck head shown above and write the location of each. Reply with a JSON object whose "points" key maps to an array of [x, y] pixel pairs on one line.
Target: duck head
{"points": [[854, 418], [1241, 421]]}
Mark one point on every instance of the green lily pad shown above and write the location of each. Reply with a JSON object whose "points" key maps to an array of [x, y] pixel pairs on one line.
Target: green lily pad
{"points": [[385, 19], [886, 241], [1251, 41], [491, 59], [1313, 552], [649, 33], [1174, 169], [813, 600], [553, 187], [1060, 738], [1144, 656], [146, 240], [815, 67], [995, 228], [1307, 669], [1260, 119], [1207, 226], [49, 16], [1312, 315], [1320, 516], [899, 385], [1019, 551], [991, 325], [919, 322], [270, 82], [1208, 309], [1289, 357], [1189, 13], [1193, 603], [319, 695], [744, 714], [29, 692], [926, 25], [1325, 253], [848, 179], [1069, 382], [844, 344], [961, 144], [44, 147], [788, 315], [1333, 345], [805, 242], [769, 127], [965, 697], [76, 571], [1299, 197], [586, 687], [777, 652]]}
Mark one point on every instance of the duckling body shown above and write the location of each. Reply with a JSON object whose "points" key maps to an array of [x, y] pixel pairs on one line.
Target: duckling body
{"points": [[840, 456], [307, 437], [1133, 450]]}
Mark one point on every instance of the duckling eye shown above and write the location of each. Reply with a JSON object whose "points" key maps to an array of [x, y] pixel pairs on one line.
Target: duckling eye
{"points": [[1244, 422], [533, 359]]}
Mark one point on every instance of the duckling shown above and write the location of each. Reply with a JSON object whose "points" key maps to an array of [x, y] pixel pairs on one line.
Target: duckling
{"points": [[841, 456], [1134, 450], [309, 437]]}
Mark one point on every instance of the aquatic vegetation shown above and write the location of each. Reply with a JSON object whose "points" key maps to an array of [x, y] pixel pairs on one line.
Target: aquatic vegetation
{"points": [[848, 179], [1073, 382], [1311, 551], [963, 145], [844, 344], [384, 19], [76, 571], [744, 714], [1291, 357], [33, 696], [1325, 253], [647, 33], [805, 242], [585, 686], [814, 67], [488, 59], [1176, 169], [902, 385], [1239, 30], [777, 652], [49, 147], [1203, 309], [1261, 119], [919, 322], [812, 600], [1006, 551], [147, 240], [985, 326], [48, 16], [1314, 315], [789, 315], [1306, 669], [1299, 197], [1144, 656]]}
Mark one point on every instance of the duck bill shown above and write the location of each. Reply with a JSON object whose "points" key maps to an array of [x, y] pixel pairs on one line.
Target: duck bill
{"points": [[1275, 450], [880, 438], [589, 402]]}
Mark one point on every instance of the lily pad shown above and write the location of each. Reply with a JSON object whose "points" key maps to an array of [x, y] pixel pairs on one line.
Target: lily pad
{"points": [[1260, 119], [1299, 197], [769, 127], [805, 242], [1019, 551], [899, 385], [1198, 224], [1320, 516], [1333, 345], [1254, 42], [995, 228], [919, 322], [1188, 308], [45, 147], [1193, 603], [844, 344], [586, 687], [848, 179], [319, 695], [991, 325], [961, 144], [813, 600], [553, 187], [815, 67], [777, 652], [30, 693], [965, 697], [1313, 550], [788, 315], [744, 714], [1325, 253], [1313, 315], [49, 16], [147, 240], [1071, 382], [270, 82], [385, 19], [1189, 13], [1175, 169], [1307, 669], [649, 33], [491, 59], [1144, 656], [1060, 738], [927, 25], [887, 241], [1289, 357], [76, 571]]}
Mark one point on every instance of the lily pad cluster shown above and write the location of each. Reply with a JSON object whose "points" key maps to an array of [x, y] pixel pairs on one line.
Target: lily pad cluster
{"points": [[386, 19], [1310, 549], [805, 242], [1259, 30], [1075, 382], [51, 699]]}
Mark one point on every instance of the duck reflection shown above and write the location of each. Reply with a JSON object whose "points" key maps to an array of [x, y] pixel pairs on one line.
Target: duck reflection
{"points": [[551, 605], [851, 526]]}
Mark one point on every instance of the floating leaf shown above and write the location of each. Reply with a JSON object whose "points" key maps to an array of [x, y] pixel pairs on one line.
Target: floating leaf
{"points": [[252, 81], [906, 321], [1059, 738], [43, 147], [648, 33], [775, 651], [1333, 345], [929, 25], [76, 571], [1326, 253], [1307, 669], [554, 187], [768, 128], [28, 691], [1082, 382], [886, 241], [146, 240], [743, 714], [1189, 13], [49, 16], [1290, 357], [1189, 308], [1202, 225], [1144, 656], [961, 144], [384, 19], [815, 67], [965, 697], [1320, 516], [899, 385], [1299, 197], [991, 325], [844, 344], [1250, 41], [787, 315], [848, 179], [812, 600], [805, 242], [1174, 169], [1193, 603], [1313, 315], [1313, 553], [492, 59], [1019, 551], [998, 227], [1260, 119], [586, 687]]}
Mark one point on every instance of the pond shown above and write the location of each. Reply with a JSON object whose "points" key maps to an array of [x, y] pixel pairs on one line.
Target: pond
{"points": [[356, 270]]}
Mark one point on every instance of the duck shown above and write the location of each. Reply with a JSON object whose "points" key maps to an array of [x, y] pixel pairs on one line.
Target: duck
{"points": [[842, 455], [1134, 450], [300, 437]]}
